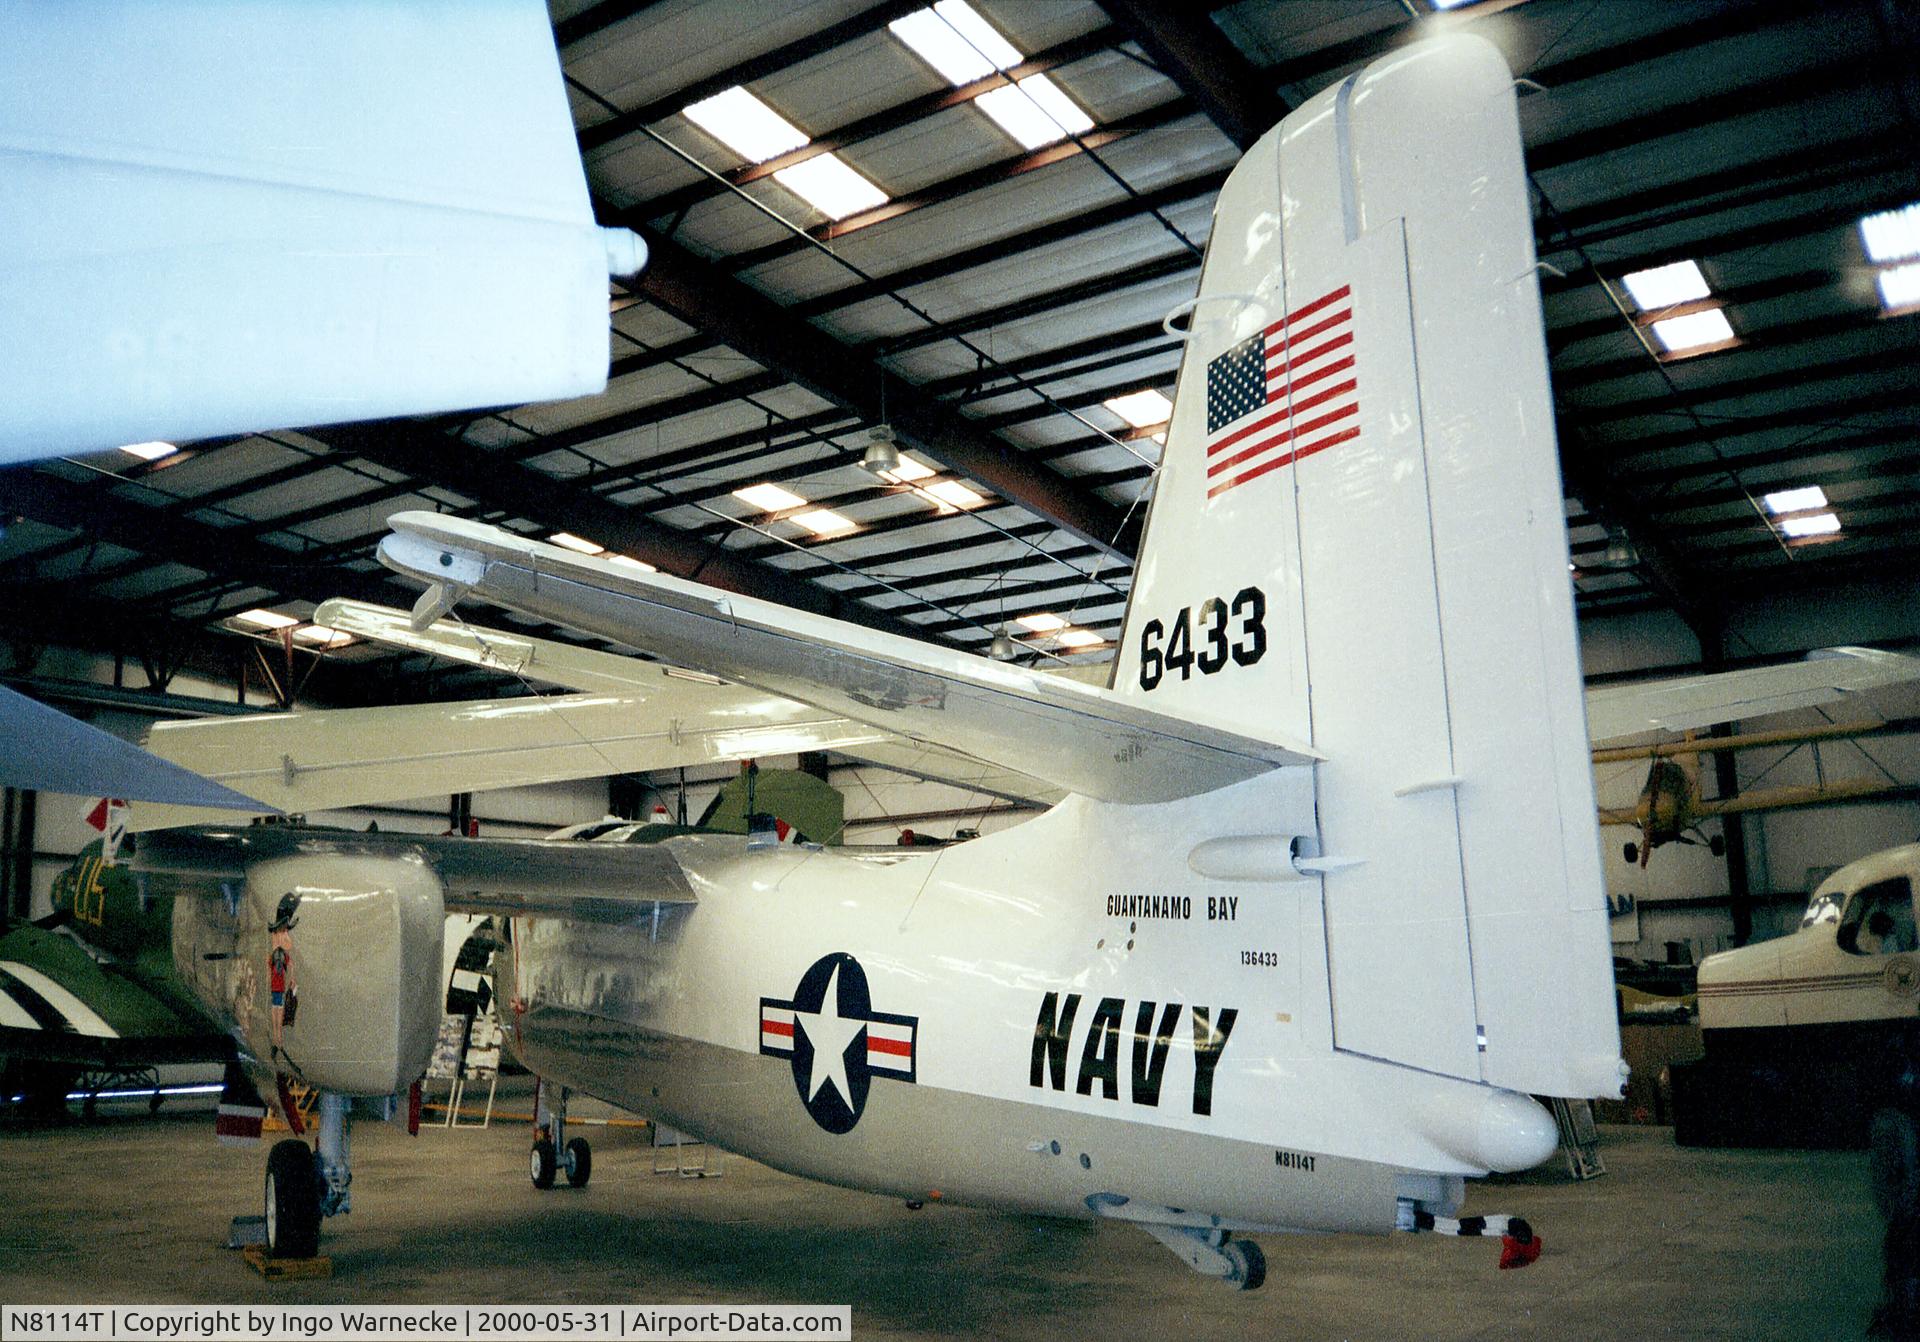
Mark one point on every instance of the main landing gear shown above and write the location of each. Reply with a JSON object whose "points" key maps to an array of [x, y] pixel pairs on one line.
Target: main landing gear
{"points": [[553, 1151], [304, 1185], [1210, 1251]]}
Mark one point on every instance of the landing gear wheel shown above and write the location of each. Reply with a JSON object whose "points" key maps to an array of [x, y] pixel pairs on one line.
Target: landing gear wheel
{"points": [[579, 1162], [1717, 846], [292, 1201], [1893, 1164], [542, 1164], [1249, 1264], [1632, 853]]}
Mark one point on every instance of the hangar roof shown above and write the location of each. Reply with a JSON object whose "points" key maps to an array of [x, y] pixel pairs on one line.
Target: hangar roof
{"points": [[1002, 295]]}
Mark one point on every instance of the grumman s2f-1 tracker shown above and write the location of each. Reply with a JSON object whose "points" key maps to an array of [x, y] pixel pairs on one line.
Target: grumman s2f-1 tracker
{"points": [[1318, 907]]}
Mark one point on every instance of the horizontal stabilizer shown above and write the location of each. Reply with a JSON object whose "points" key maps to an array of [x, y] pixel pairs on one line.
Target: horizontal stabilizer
{"points": [[1730, 696], [584, 881], [1077, 736]]}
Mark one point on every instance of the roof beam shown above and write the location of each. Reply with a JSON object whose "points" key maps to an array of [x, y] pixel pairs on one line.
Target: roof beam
{"points": [[1236, 95], [700, 294], [522, 491]]}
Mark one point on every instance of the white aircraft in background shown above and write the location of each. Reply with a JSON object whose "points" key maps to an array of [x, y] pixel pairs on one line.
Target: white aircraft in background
{"points": [[1319, 903]]}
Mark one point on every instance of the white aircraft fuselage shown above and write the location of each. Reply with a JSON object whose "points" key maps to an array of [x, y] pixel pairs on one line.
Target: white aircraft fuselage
{"points": [[1055, 1020]]}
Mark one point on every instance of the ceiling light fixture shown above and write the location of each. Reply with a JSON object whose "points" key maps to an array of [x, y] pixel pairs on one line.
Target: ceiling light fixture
{"points": [[1042, 622], [1900, 287], [1003, 648], [1078, 638], [822, 522], [579, 544], [1035, 112], [882, 457]]}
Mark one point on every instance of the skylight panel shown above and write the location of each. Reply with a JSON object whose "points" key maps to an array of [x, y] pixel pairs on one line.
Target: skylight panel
{"points": [[1693, 331], [1900, 287], [1035, 112], [1142, 409], [745, 125], [1893, 235], [909, 470], [628, 561], [150, 451], [954, 494], [1042, 622], [579, 544], [769, 498], [956, 41], [831, 187], [1796, 500], [266, 619], [1666, 286], [822, 522], [1819, 524], [320, 636], [1078, 638]]}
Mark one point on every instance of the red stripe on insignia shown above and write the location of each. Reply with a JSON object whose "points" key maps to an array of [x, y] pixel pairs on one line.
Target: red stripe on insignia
{"points": [[1307, 379], [899, 1047], [777, 1027], [1285, 460], [1308, 309]]}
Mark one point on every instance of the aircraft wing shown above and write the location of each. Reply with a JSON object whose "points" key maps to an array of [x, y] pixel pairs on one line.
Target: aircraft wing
{"points": [[580, 668], [1728, 696], [632, 716], [1812, 794], [1076, 736], [590, 882], [44, 749], [224, 218]]}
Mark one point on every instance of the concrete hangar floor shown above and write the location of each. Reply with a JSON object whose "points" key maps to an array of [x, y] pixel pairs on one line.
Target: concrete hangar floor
{"points": [[1670, 1243]]}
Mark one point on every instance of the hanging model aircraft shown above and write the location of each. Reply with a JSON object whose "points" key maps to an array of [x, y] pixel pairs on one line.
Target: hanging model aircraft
{"points": [[1670, 807], [1319, 905]]}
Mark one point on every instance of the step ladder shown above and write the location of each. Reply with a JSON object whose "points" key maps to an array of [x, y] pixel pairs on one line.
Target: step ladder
{"points": [[1578, 1138]]}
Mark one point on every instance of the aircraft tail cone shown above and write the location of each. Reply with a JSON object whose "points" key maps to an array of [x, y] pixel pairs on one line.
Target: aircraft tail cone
{"points": [[1499, 1130]]}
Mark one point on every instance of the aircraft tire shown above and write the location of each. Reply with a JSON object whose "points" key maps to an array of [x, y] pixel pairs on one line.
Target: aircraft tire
{"points": [[292, 1197], [1250, 1264], [542, 1164], [1893, 1162], [579, 1162]]}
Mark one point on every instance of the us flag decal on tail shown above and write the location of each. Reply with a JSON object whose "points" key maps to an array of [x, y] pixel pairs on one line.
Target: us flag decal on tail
{"points": [[1284, 394]]}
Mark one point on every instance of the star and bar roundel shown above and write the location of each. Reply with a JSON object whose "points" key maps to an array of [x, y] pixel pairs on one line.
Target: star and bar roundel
{"points": [[836, 1041], [1283, 394]]}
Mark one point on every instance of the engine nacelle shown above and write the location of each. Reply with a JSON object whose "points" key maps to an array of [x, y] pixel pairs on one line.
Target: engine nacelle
{"points": [[328, 966]]}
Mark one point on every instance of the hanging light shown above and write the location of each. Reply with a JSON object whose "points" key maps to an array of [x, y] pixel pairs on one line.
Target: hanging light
{"points": [[881, 456], [1620, 552], [1003, 648]]}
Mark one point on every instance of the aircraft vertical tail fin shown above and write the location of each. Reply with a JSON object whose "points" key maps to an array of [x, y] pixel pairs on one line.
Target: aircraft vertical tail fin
{"points": [[1357, 541]]}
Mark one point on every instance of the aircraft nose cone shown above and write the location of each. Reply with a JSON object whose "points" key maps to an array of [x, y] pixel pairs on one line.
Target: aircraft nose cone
{"points": [[1514, 1132]]}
